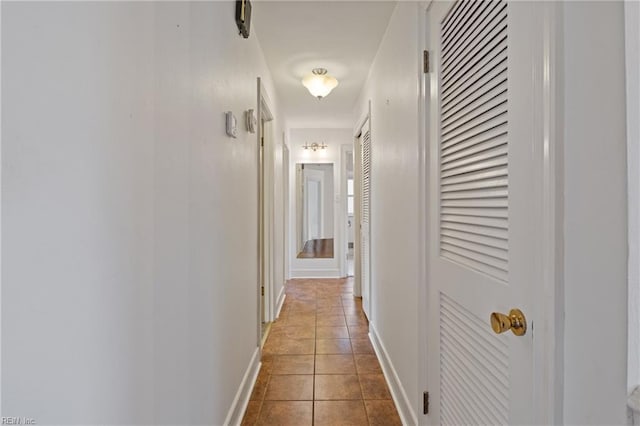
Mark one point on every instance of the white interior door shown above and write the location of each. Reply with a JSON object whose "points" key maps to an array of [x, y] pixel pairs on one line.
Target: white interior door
{"points": [[485, 150], [313, 208], [313, 192], [365, 215]]}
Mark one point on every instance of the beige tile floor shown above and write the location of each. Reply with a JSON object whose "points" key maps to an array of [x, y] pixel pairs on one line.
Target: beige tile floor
{"points": [[318, 365]]}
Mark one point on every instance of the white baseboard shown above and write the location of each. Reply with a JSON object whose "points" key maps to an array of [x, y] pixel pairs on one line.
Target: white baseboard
{"points": [[395, 386], [280, 301], [315, 273], [241, 400]]}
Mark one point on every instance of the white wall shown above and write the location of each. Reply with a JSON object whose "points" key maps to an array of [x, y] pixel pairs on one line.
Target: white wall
{"points": [[333, 138], [127, 213], [595, 375], [632, 60], [393, 88]]}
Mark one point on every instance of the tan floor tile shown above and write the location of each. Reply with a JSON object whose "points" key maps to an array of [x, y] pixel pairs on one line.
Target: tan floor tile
{"points": [[374, 386], [333, 413], [350, 309], [330, 311], [356, 319], [337, 387], [335, 364], [286, 413], [294, 332], [308, 320], [362, 346], [367, 364], [329, 301], [382, 413], [322, 316], [278, 323], [260, 387], [323, 332], [302, 311], [331, 321], [352, 301], [300, 293], [289, 346], [304, 303], [333, 346], [290, 388], [267, 363], [251, 414], [358, 331], [271, 345], [293, 364]]}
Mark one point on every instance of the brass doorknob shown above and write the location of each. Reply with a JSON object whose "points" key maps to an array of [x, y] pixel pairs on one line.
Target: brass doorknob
{"points": [[515, 321]]}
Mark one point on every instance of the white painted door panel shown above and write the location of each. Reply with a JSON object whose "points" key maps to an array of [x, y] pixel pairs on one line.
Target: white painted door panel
{"points": [[365, 175], [484, 207], [313, 181]]}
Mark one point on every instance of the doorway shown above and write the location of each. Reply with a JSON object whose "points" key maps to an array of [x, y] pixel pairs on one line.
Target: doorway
{"points": [[351, 225]]}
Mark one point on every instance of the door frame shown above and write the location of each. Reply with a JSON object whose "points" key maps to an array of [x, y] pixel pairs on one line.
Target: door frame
{"points": [[285, 208], [344, 152], [357, 190], [265, 211], [548, 356]]}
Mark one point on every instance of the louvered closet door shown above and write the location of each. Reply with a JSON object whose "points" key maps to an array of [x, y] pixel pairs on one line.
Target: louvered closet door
{"points": [[365, 175], [482, 214]]}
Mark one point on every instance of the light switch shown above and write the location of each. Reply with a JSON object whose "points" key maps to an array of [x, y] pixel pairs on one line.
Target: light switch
{"points": [[231, 124]]}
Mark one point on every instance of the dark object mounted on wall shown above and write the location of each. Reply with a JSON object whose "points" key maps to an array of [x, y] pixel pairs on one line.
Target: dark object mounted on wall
{"points": [[243, 17]]}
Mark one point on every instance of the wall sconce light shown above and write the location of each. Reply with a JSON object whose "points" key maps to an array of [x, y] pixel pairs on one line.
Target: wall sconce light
{"points": [[314, 146]]}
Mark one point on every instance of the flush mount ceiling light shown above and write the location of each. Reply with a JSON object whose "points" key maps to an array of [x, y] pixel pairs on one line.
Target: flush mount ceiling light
{"points": [[319, 83], [314, 146]]}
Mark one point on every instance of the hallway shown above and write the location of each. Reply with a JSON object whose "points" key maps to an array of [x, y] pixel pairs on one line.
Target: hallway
{"points": [[318, 365], [474, 164]]}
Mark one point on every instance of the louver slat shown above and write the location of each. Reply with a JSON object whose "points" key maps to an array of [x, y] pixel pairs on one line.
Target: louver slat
{"points": [[489, 62], [366, 175], [483, 14], [477, 39], [487, 43], [473, 369], [474, 176], [468, 15]]}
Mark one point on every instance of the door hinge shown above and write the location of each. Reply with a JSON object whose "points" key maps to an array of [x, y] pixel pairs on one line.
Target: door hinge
{"points": [[425, 60], [262, 290], [425, 403]]}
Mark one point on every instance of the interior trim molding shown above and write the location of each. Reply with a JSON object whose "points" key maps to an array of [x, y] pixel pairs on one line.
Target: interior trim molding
{"points": [[403, 403], [241, 400]]}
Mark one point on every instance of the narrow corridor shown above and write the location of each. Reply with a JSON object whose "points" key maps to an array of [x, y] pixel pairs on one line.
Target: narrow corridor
{"points": [[318, 365]]}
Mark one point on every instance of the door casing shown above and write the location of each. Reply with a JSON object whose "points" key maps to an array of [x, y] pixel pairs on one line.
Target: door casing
{"points": [[265, 209], [362, 127]]}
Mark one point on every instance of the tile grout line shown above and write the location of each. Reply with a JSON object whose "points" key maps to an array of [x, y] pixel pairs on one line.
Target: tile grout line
{"points": [[345, 303], [315, 352], [355, 364]]}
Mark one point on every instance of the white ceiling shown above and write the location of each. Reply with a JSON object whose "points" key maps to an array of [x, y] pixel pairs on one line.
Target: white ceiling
{"points": [[341, 36]]}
